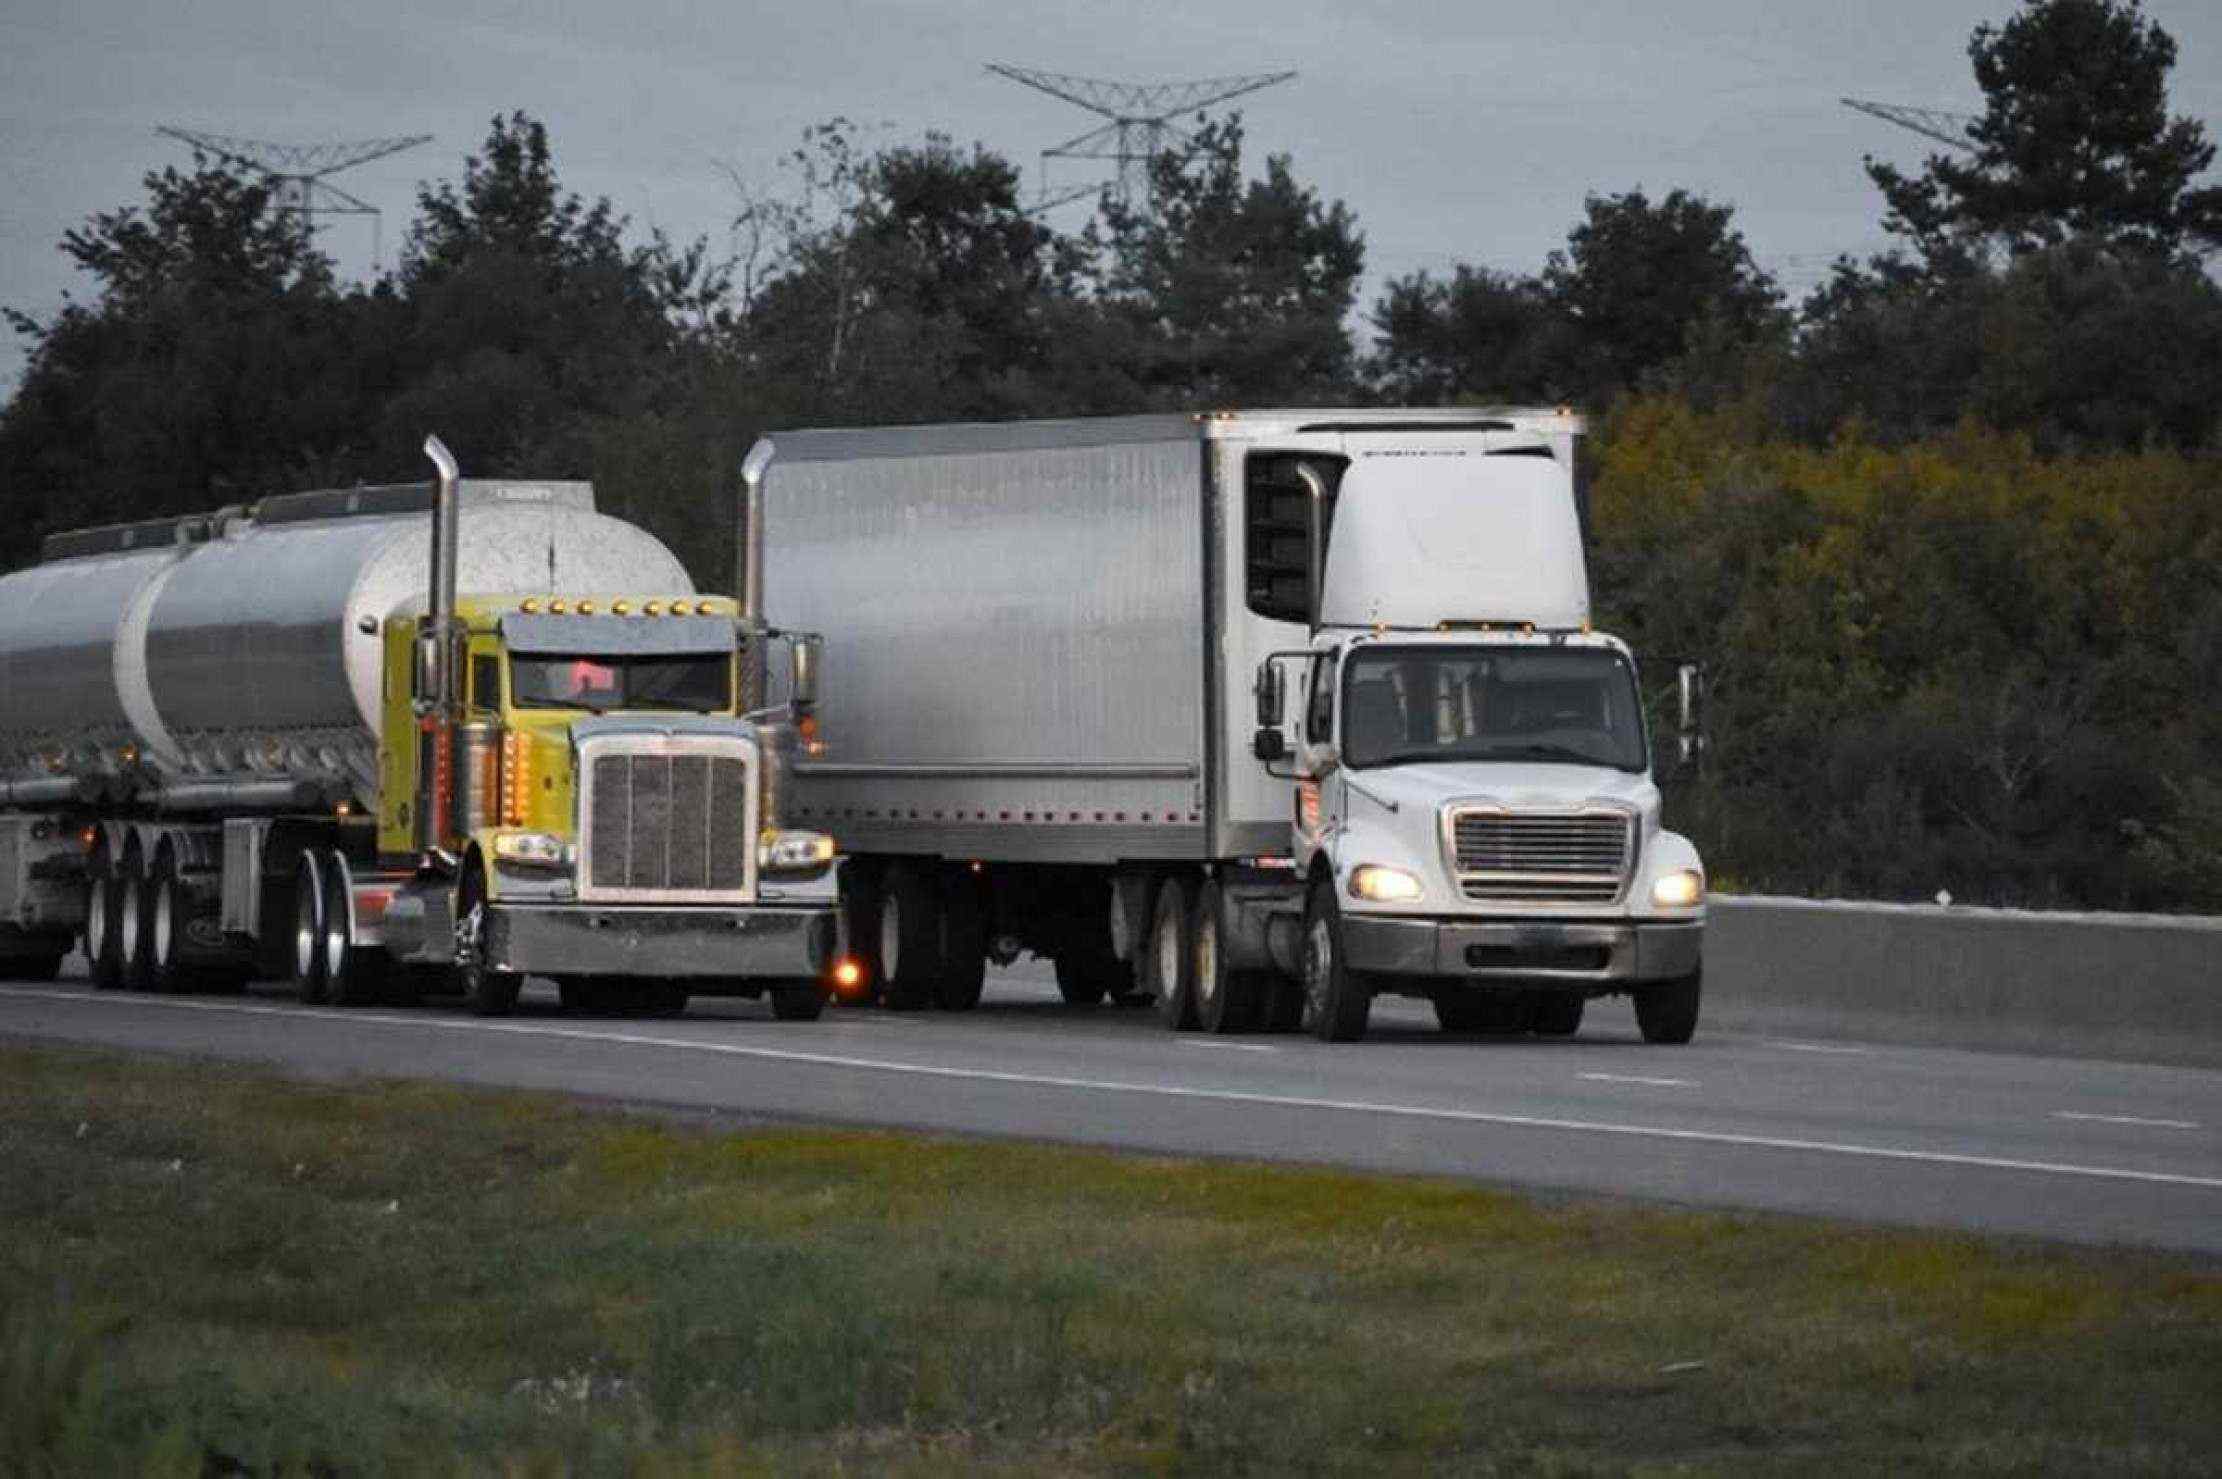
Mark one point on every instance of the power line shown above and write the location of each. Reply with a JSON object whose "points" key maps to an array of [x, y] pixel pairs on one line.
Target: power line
{"points": [[1934, 123]]}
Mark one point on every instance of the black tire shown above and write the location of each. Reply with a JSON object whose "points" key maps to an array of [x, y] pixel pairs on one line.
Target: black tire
{"points": [[1227, 1000], [103, 942], [353, 976], [1666, 1011], [1168, 964], [1337, 999], [910, 946], [964, 942], [487, 992], [1282, 1006], [309, 981], [797, 1001], [1558, 1013], [167, 911], [860, 882], [131, 922]]}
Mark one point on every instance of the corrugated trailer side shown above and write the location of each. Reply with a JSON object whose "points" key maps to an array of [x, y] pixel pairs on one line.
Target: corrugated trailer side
{"points": [[1021, 674]]}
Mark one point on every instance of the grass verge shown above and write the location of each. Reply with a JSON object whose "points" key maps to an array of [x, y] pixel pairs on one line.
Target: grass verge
{"points": [[208, 1271]]}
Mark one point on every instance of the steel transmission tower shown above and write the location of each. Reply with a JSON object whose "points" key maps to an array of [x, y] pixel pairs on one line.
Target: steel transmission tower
{"points": [[1140, 126], [299, 174], [1935, 123]]}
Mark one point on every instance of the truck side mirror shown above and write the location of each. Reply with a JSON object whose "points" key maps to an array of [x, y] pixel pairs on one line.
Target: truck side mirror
{"points": [[802, 672], [1690, 691], [1269, 744], [1271, 696]]}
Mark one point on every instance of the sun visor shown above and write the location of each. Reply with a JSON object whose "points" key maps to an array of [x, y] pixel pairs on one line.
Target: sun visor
{"points": [[618, 636], [1421, 539]]}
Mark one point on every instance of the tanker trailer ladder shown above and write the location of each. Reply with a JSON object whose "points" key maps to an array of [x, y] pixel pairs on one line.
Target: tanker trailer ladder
{"points": [[1258, 714], [354, 739]]}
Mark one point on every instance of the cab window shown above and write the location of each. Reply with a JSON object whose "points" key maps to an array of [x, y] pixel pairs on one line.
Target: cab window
{"points": [[1319, 721]]}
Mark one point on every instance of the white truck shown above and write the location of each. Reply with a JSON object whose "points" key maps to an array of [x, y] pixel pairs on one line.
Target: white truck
{"points": [[1259, 714]]}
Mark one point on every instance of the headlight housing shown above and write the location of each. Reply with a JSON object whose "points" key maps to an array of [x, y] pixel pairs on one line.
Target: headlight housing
{"points": [[1384, 885], [794, 852], [1683, 888], [532, 850]]}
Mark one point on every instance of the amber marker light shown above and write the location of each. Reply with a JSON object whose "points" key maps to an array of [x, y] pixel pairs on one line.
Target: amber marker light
{"points": [[848, 977], [653, 608]]}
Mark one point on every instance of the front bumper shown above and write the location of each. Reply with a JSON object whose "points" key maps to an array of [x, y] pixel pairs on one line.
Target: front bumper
{"points": [[1527, 950], [755, 942]]}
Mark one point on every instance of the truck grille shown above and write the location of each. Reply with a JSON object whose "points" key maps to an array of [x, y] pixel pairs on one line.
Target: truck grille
{"points": [[1561, 858], [667, 823]]}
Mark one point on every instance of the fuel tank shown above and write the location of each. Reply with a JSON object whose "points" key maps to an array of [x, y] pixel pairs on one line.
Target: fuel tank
{"points": [[244, 646]]}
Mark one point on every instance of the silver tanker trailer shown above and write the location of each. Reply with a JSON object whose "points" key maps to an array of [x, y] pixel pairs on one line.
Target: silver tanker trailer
{"points": [[276, 740]]}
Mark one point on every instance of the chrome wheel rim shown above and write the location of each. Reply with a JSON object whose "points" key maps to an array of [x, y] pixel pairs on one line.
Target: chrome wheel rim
{"points": [[1168, 949], [1207, 960], [164, 943], [891, 937], [96, 917], [1319, 959], [304, 932], [127, 922]]}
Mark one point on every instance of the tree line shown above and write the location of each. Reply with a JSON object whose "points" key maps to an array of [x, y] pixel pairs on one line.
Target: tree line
{"points": [[2009, 418]]}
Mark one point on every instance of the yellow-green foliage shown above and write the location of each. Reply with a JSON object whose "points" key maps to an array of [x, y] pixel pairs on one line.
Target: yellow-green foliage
{"points": [[1982, 668]]}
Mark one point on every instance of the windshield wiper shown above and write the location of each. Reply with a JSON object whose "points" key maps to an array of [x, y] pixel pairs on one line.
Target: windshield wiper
{"points": [[1549, 752]]}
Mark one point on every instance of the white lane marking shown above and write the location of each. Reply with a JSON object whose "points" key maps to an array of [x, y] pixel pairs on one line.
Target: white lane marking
{"points": [[1817, 1047], [2126, 1119], [1225, 1047], [1166, 1091], [1630, 1078]]}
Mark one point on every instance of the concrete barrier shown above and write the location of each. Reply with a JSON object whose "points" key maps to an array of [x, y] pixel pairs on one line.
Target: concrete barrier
{"points": [[2135, 987]]}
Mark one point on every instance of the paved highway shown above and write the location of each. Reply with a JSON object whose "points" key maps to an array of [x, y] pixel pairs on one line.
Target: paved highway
{"points": [[2058, 1148]]}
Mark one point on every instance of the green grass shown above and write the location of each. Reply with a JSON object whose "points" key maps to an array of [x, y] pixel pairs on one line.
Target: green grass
{"points": [[202, 1268]]}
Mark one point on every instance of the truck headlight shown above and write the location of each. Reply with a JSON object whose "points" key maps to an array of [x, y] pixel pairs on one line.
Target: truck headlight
{"points": [[794, 852], [1679, 889], [532, 850], [1383, 885]]}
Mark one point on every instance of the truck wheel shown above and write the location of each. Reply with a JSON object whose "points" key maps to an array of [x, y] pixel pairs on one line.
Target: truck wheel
{"points": [[1227, 1000], [797, 1001], [1337, 999], [910, 938], [309, 981], [1558, 1013], [1169, 953], [860, 909], [353, 976], [1666, 1011], [168, 908], [964, 943], [102, 942], [131, 922], [487, 992], [1080, 979]]}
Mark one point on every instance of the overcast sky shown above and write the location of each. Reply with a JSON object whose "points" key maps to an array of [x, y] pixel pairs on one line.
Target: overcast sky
{"points": [[1460, 132]]}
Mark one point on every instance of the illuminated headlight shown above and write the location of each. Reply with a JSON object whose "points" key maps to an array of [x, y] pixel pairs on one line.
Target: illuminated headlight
{"points": [[1383, 885], [794, 852], [532, 850], [1679, 889]]}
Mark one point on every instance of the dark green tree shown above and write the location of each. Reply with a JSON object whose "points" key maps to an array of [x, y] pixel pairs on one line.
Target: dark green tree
{"points": [[2074, 141], [1477, 335], [1226, 290], [1636, 279]]}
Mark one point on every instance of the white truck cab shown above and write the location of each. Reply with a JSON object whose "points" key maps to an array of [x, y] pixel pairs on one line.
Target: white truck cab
{"points": [[1476, 819]]}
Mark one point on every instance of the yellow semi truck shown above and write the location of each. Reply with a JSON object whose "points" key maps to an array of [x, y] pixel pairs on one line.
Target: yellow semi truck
{"points": [[281, 740]]}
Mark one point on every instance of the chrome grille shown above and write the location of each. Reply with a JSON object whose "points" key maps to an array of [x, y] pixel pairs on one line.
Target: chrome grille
{"points": [[1549, 857], [668, 822]]}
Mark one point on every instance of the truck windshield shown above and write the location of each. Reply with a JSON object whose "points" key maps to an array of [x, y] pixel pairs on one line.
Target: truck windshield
{"points": [[1574, 706], [701, 682]]}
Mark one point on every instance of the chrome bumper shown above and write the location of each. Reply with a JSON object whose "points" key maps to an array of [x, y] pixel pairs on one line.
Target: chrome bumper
{"points": [[1528, 950], [760, 941]]}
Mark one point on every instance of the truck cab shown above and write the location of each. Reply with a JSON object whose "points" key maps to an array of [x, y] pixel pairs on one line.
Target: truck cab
{"points": [[1475, 816]]}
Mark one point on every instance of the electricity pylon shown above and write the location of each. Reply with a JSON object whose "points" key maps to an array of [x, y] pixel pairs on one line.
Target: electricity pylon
{"points": [[299, 173], [1935, 123], [1140, 115]]}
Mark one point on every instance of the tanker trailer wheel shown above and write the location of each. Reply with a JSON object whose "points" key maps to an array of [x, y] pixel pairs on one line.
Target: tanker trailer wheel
{"points": [[910, 937], [1227, 1000], [964, 941], [488, 993], [131, 920], [1169, 952], [353, 976], [1666, 1011], [309, 981], [167, 908], [103, 938], [1337, 999]]}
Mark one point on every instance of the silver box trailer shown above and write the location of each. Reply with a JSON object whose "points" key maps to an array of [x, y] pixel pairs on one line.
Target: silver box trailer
{"points": [[1046, 643]]}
